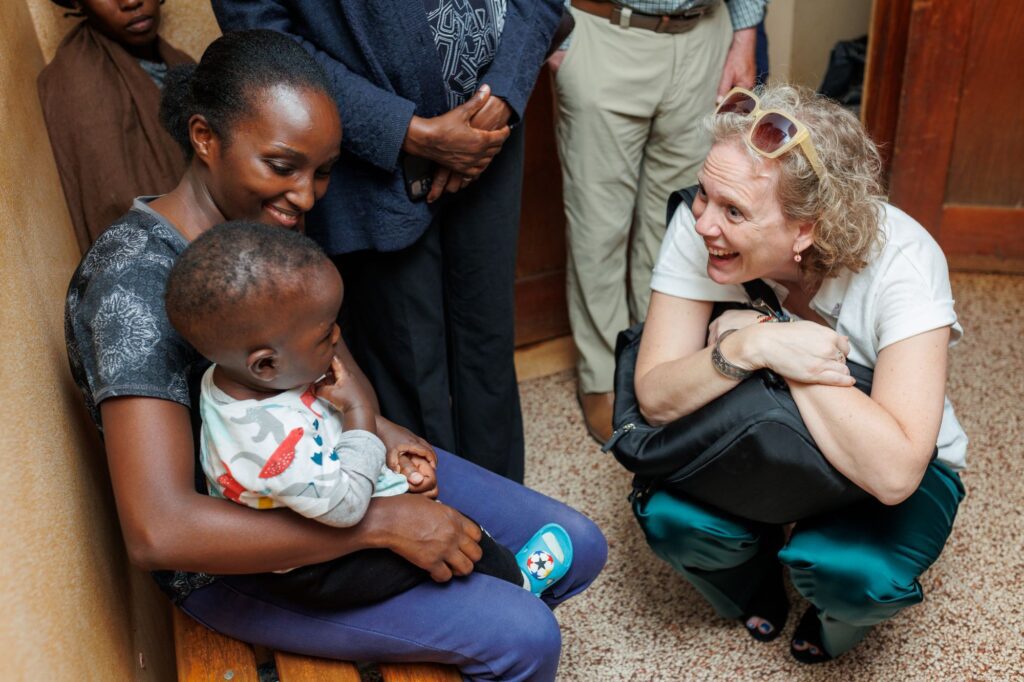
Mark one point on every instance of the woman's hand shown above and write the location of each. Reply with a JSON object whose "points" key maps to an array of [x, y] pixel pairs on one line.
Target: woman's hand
{"points": [[421, 475], [431, 535], [803, 351], [731, 319], [399, 439], [409, 455], [418, 463], [451, 141]]}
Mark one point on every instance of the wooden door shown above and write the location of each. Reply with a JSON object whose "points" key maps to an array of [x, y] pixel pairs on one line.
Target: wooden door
{"points": [[954, 113], [541, 311]]}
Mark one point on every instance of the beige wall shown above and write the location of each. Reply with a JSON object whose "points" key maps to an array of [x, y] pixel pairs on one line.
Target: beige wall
{"points": [[73, 609], [801, 34]]}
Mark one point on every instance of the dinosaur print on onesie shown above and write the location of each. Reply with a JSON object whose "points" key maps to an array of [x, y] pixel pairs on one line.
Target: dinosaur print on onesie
{"points": [[289, 450]]}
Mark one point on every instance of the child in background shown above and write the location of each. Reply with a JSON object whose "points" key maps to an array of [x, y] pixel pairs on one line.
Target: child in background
{"points": [[284, 425], [101, 99]]}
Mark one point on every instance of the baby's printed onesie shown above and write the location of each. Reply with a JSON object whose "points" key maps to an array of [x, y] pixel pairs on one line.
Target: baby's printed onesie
{"points": [[291, 450]]}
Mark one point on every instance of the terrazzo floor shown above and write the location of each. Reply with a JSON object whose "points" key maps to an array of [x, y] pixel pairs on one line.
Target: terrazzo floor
{"points": [[641, 621]]}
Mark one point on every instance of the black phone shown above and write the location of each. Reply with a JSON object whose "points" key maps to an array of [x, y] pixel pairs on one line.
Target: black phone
{"points": [[419, 175]]}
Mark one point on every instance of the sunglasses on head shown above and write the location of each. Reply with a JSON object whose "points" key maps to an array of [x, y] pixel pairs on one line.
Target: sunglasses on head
{"points": [[773, 132]]}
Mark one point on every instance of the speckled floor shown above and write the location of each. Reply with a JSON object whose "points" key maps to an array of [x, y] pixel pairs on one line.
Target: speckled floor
{"points": [[641, 621]]}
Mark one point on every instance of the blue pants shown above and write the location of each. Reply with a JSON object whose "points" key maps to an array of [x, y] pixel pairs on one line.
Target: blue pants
{"points": [[858, 566], [489, 628]]}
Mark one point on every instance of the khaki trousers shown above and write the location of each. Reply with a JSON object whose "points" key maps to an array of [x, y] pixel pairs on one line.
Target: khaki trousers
{"points": [[630, 104]]}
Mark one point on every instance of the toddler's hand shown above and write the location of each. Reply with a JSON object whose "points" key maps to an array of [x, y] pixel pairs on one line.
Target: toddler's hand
{"points": [[338, 389]]}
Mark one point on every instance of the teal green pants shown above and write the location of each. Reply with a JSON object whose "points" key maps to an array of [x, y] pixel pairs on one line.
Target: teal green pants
{"points": [[858, 566]]}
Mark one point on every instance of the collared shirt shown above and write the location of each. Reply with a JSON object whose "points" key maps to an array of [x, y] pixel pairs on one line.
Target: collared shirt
{"points": [[466, 34]]}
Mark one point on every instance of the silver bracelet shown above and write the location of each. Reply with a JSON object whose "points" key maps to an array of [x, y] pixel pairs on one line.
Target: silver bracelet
{"points": [[725, 367]]}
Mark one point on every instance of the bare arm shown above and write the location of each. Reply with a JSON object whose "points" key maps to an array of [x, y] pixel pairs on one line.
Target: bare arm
{"points": [[884, 442], [167, 525], [674, 373], [740, 68]]}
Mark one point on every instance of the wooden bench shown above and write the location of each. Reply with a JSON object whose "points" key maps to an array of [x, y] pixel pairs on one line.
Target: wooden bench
{"points": [[204, 656]]}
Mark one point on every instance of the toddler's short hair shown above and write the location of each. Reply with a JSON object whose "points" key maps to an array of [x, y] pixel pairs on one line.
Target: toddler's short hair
{"points": [[232, 263]]}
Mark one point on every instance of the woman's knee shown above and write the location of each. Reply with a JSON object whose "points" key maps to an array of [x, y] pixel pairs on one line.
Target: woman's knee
{"points": [[589, 546], [857, 590], [687, 534], [530, 643]]}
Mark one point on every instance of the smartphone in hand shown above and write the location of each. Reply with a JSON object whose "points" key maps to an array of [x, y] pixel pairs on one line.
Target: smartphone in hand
{"points": [[419, 174]]}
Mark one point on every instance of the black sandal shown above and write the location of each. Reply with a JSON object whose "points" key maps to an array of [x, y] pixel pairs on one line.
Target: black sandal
{"points": [[771, 605], [808, 638]]}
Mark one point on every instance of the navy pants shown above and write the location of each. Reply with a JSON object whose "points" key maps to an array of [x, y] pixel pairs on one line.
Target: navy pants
{"points": [[858, 566], [433, 325], [488, 628]]}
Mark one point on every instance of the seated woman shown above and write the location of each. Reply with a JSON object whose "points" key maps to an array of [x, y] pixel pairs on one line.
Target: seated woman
{"points": [[262, 133], [790, 193], [101, 97]]}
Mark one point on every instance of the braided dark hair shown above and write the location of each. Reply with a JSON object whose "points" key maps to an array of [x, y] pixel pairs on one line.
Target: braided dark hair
{"points": [[222, 87]]}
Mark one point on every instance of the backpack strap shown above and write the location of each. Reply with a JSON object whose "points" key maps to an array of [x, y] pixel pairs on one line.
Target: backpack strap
{"points": [[763, 298], [680, 196]]}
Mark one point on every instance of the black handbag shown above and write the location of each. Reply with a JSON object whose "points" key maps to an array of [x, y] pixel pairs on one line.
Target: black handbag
{"points": [[747, 452]]}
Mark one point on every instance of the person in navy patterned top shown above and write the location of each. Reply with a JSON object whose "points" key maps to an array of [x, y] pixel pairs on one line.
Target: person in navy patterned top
{"points": [[430, 318]]}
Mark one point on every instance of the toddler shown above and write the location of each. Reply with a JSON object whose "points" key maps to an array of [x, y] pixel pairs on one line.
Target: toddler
{"points": [[284, 425]]}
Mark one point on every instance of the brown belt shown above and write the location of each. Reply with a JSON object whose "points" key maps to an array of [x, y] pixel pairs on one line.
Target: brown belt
{"points": [[627, 18]]}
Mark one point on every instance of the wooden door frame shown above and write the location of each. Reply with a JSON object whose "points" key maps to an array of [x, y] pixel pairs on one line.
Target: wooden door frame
{"points": [[913, 83], [883, 74]]}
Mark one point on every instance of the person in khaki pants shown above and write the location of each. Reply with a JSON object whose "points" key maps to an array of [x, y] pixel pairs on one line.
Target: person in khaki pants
{"points": [[633, 82]]}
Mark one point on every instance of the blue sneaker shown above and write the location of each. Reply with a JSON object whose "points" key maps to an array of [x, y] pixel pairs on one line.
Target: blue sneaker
{"points": [[545, 558]]}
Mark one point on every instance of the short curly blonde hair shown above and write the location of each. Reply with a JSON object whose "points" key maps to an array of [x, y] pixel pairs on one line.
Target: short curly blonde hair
{"points": [[845, 205]]}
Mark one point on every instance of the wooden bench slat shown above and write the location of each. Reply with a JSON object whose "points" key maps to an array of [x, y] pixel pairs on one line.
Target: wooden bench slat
{"points": [[203, 655], [419, 672], [296, 668]]}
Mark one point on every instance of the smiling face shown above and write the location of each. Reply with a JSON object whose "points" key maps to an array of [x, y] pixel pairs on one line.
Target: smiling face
{"points": [[132, 23], [276, 162], [741, 220]]}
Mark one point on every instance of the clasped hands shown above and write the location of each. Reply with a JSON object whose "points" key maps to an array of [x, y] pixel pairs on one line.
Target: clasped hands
{"points": [[802, 351], [462, 142], [407, 453], [435, 537]]}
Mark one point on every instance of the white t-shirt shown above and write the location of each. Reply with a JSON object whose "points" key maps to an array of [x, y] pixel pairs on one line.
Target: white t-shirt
{"points": [[902, 292]]}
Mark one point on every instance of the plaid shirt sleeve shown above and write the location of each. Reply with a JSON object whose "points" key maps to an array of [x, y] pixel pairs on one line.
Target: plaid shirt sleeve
{"points": [[746, 13]]}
